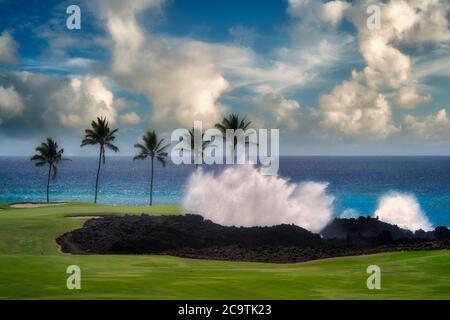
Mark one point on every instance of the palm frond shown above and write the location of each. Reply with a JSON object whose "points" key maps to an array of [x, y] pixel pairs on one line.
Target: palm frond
{"points": [[140, 157], [158, 144], [221, 128], [38, 157], [162, 161], [112, 147], [143, 149], [162, 149], [89, 141]]}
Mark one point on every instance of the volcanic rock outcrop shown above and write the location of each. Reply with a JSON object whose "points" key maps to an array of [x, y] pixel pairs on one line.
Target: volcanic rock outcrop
{"points": [[192, 236]]}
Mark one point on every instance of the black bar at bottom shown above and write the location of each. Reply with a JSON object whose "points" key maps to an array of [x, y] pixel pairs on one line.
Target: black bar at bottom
{"points": [[252, 309]]}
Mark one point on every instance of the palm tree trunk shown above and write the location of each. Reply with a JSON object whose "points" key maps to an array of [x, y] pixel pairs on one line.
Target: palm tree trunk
{"points": [[98, 172], [48, 181], [151, 184]]}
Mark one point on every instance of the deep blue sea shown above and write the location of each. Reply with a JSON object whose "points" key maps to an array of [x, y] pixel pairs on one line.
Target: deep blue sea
{"points": [[356, 182]]}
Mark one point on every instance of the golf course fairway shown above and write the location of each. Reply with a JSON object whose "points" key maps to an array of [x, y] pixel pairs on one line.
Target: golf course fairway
{"points": [[32, 267]]}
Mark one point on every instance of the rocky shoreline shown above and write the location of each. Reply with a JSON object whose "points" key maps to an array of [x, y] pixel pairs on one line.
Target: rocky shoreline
{"points": [[193, 237]]}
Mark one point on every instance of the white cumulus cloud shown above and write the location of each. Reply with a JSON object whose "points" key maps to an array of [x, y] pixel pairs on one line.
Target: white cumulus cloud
{"points": [[357, 111], [362, 106], [333, 11], [177, 76], [35, 100], [130, 118], [276, 111], [8, 49], [429, 127], [11, 104], [82, 100]]}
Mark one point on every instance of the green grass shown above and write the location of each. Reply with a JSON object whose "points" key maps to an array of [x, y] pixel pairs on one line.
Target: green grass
{"points": [[31, 267]]}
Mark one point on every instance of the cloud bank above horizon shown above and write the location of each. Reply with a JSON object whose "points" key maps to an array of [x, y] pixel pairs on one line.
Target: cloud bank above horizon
{"points": [[317, 72]]}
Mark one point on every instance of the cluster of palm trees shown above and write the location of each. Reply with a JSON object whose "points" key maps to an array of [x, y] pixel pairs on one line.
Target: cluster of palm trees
{"points": [[100, 133]]}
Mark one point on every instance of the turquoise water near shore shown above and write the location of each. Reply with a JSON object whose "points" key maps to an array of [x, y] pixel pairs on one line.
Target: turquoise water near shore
{"points": [[356, 182]]}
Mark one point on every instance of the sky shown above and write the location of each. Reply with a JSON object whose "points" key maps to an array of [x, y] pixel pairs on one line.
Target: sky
{"points": [[312, 69]]}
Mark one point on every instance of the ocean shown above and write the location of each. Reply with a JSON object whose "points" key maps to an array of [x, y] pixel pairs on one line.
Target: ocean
{"points": [[357, 183]]}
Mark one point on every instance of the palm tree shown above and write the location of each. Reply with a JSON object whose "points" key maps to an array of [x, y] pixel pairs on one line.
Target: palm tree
{"points": [[100, 134], [192, 147], [232, 122], [48, 153], [151, 148]]}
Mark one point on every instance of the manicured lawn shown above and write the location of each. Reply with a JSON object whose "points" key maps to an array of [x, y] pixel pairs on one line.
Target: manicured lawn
{"points": [[31, 267]]}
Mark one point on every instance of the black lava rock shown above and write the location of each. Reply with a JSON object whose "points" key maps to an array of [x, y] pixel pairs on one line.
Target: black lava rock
{"points": [[363, 227], [192, 236], [442, 233]]}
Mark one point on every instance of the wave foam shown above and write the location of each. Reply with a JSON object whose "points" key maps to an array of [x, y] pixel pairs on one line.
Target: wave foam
{"points": [[242, 196], [402, 210]]}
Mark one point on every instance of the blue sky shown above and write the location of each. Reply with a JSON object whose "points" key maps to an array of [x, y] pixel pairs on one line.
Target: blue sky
{"points": [[312, 69]]}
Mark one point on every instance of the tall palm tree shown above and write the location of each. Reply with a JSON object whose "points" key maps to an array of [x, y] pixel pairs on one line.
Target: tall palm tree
{"points": [[232, 122], [100, 134], [151, 148], [193, 148], [48, 153]]}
